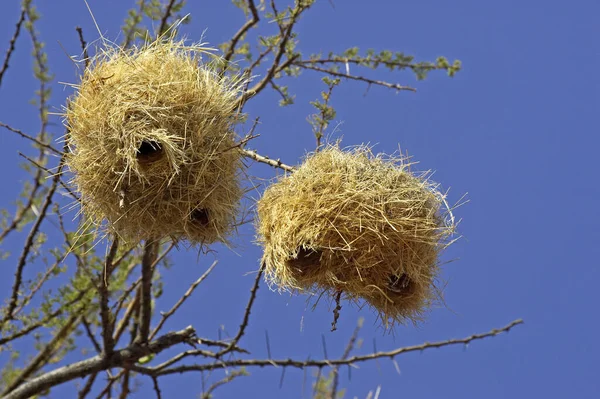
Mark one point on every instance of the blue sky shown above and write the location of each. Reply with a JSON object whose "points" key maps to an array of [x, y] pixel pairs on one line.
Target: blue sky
{"points": [[515, 129]]}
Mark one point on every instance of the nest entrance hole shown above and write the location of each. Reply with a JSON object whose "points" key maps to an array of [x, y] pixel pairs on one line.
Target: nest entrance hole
{"points": [[307, 259], [149, 151], [200, 217], [400, 284]]}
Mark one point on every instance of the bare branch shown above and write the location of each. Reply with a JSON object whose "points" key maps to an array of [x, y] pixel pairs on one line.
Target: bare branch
{"points": [[120, 358], [31, 138], [29, 244], [83, 43], [165, 18], [87, 387], [347, 351], [88, 330], [233, 375], [46, 353], [149, 257], [181, 300], [276, 163], [107, 318], [11, 45], [388, 85], [246, 318], [43, 321], [281, 50], [241, 32], [326, 362], [50, 173], [156, 387]]}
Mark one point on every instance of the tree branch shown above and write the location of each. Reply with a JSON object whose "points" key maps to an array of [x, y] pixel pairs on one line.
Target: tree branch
{"points": [[325, 362], [181, 300], [165, 18], [120, 358], [388, 85], [241, 32], [11, 45], [149, 257], [28, 245], [281, 50], [246, 318], [276, 163], [106, 316]]}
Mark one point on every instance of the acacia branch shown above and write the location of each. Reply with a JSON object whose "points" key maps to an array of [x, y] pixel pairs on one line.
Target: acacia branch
{"points": [[331, 72], [44, 321], [46, 353], [325, 362], [83, 43], [121, 358], [241, 32], [347, 351], [148, 259], [11, 45], [31, 138], [107, 318], [165, 18], [181, 300], [276, 163], [281, 51], [246, 318], [29, 242]]}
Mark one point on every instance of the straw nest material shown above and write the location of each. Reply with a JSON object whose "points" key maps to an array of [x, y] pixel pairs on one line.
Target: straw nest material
{"points": [[358, 224], [152, 147]]}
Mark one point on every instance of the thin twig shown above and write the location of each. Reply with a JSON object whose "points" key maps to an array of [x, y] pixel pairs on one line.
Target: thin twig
{"points": [[11, 45], [38, 286], [46, 353], [51, 173], [233, 375], [148, 258], [241, 32], [125, 385], [325, 362], [388, 85], [31, 138], [156, 387], [83, 43], [347, 351], [29, 244], [181, 300], [88, 330], [276, 163], [165, 18], [87, 387], [246, 318], [281, 50], [58, 312], [107, 318]]}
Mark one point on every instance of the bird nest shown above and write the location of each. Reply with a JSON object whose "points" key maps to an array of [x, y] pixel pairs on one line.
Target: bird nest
{"points": [[152, 147], [352, 223]]}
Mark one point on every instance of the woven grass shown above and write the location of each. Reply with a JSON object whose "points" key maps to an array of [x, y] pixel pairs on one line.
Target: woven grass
{"points": [[152, 144], [363, 225]]}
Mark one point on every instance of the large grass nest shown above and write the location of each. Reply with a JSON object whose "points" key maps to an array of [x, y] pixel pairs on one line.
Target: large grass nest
{"points": [[151, 143], [352, 223]]}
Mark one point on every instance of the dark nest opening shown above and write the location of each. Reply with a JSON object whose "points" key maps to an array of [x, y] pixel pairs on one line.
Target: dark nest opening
{"points": [[149, 151]]}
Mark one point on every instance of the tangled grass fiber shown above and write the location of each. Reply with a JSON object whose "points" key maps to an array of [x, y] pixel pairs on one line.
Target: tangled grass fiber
{"points": [[152, 148], [354, 223]]}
